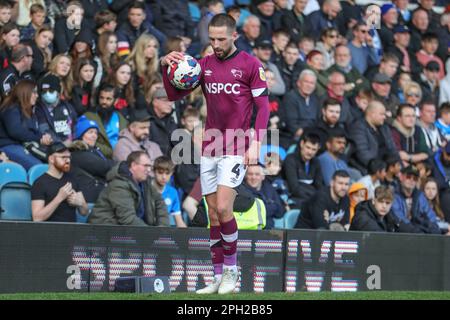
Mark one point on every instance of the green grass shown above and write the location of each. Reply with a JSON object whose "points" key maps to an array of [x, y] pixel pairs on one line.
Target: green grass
{"points": [[378, 295]]}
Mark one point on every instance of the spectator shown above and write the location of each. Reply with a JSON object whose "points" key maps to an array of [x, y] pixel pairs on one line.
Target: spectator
{"points": [[42, 53], [376, 215], [212, 7], [443, 123], [130, 198], [371, 137], [163, 170], [430, 82], [35, 22], [404, 79], [427, 53], [314, 62], [129, 32], [354, 81], [431, 192], [175, 44], [121, 80], [19, 125], [109, 121], [263, 51], [56, 195], [444, 35], [9, 38], [55, 116], [360, 104], [411, 206], [433, 16], [327, 45], [260, 188], [61, 67], [413, 95], [444, 85], [305, 45], [105, 21], [399, 47], [332, 159], [280, 40], [172, 18], [294, 20], [362, 50], [302, 169], [323, 18], [381, 87], [108, 56], [273, 175], [328, 121], [280, 10], [264, 10], [162, 121], [68, 27], [336, 90], [251, 30], [144, 61], [388, 66], [408, 137], [393, 167], [419, 26], [136, 137], [426, 122], [329, 208], [441, 169], [404, 15], [389, 19], [83, 89], [89, 164], [18, 69], [376, 174], [300, 107], [5, 12], [90, 10], [425, 171], [357, 194]]}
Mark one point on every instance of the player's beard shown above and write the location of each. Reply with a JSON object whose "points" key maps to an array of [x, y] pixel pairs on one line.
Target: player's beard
{"points": [[222, 53], [65, 167]]}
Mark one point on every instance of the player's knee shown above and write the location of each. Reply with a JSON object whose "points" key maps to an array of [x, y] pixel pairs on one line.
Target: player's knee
{"points": [[223, 211]]}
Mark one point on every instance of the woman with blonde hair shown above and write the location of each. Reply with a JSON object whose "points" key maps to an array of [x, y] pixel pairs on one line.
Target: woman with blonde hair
{"points": [[413, 95], [144, 62], [61, 66]]}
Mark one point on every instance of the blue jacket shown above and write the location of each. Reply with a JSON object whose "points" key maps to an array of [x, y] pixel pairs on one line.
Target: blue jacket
{"points": [[423, 218], [15, 128], [439, 172]]}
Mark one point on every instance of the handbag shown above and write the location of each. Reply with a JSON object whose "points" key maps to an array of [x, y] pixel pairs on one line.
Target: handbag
{"points": [[36, 150]]}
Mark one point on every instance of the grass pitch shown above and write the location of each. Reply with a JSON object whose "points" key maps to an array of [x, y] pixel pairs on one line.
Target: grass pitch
{"points": [[375, 295]]}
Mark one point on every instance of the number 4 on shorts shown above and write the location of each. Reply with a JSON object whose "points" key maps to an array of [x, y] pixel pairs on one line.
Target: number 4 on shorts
{"points": [[235, 170]]}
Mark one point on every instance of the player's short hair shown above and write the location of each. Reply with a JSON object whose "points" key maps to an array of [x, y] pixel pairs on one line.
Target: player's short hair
{"points": [[402, 107], [223, 20], [103, 17], [310, 137], [375, 165], [444, 108], [36, 8], [134, 157], [384, 193], [330, 102], [163, 163], [191, 112], [341, 174]]}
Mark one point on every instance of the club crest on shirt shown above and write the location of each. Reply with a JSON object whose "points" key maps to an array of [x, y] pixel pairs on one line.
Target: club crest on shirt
{"points": [[236, 73], [262, 74]]}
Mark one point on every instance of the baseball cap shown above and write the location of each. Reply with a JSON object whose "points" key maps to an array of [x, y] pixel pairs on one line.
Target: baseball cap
{"points": [[410, 170], [401, 29], [56, 147], [433, 66], [83, 125], [50, 82], [160, 93], [381, 78], [264, 43], [139, 115]]}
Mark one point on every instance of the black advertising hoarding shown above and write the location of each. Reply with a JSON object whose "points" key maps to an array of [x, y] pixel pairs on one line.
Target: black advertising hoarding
{"points": [[52, 257]]}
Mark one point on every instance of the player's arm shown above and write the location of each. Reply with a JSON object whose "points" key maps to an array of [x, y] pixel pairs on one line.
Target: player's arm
{"points": [[173, 93]]}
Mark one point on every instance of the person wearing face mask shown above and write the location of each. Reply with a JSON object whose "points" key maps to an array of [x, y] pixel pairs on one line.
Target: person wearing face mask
{"points": [[110, 121], [55, 117]]}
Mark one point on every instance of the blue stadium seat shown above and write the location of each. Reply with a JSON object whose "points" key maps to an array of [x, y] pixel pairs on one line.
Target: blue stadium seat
{"points": [[278, 223], [271, 148], [290, 218], [36, 171], [12, 172], [195, 12], [15, 201], [83, 219]]}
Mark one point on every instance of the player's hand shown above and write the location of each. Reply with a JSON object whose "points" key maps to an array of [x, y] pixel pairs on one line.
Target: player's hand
{"points": [[65, 191], [76, 199], [172, 57], [46, 139], [252, 155]]}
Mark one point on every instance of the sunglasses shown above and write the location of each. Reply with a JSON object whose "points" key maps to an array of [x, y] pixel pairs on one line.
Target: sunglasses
{"points": [[413, 94], [412, 177]]}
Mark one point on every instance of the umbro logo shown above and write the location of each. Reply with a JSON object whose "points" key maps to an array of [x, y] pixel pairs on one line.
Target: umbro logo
{"points": [[208, 72]]}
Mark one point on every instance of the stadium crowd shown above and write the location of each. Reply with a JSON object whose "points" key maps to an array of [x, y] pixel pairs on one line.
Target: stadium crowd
{"points": [[362, 112]]}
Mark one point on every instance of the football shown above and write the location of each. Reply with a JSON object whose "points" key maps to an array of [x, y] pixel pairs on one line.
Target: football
{"points": [[185, 74]]}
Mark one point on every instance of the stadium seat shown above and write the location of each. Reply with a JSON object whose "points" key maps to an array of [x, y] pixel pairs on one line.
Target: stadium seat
{"points": [[195, 12], [290, 218], [15, 201], [271, 148], [278, 223], [36, 171], [83, 219], [12, 172]]}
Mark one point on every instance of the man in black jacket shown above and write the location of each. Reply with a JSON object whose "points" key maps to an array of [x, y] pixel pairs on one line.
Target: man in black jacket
{"points": [[21, 60], [329, 208], [302, 169], [376, 215], [294, 20]]}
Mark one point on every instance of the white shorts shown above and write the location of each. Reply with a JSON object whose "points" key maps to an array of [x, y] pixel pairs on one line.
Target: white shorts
{"points": [[225, 170]]}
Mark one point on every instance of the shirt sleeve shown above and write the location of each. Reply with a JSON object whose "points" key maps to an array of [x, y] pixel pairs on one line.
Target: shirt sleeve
{"points": [[260, 93], [37, 191]]}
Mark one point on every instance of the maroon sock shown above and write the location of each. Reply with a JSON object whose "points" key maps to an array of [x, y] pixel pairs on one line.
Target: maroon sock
{"points": [[215, 246], [229, 233]]}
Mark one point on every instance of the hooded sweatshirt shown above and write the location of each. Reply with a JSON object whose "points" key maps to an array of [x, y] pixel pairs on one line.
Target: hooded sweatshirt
{"points": [[411, 141], [357, 186]]}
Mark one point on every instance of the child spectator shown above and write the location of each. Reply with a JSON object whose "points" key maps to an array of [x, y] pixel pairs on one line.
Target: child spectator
{"points": [[42, 52], [163, 170], [5, 12], [357, 194], [83, 75], [443, 123], [427, 53], [37, 17]]}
